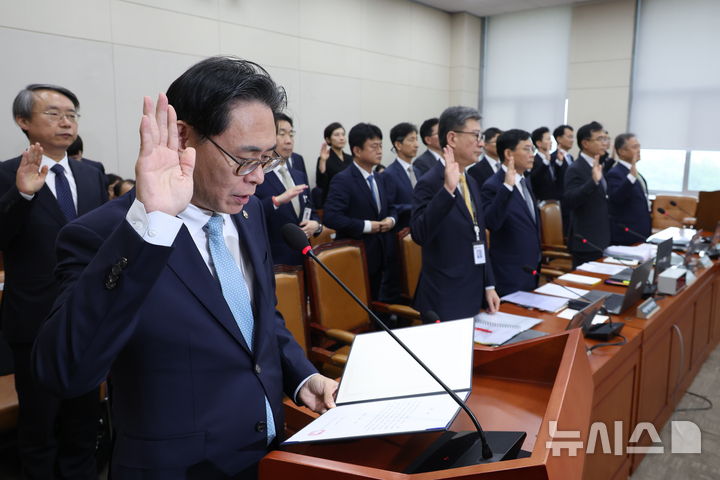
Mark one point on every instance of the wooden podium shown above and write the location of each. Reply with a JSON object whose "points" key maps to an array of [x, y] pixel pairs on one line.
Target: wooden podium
{"points": [[521, 387]]}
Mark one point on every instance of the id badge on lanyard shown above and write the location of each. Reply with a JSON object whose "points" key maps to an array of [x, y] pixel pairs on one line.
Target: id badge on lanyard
{"points": [[478, 248]]}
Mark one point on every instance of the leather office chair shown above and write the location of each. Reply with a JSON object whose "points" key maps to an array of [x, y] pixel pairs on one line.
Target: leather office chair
{"points": [[556, 259], [336, 318], [292, 301], [676, 216], [410, 262], [708, 210]]}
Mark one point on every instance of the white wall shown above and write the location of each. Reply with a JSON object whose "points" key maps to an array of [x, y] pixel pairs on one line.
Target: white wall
{"points": [[382, 61]]}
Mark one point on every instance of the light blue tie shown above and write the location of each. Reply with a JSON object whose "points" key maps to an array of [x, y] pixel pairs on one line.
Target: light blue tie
{"points": [[235, 291]]}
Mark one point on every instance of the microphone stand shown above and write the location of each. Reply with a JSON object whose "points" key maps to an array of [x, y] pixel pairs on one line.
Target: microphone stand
{"points": [[452, 449]]}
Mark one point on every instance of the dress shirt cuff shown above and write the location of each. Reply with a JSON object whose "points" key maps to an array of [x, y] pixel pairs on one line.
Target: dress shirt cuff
{"points": [[393, 221], [509, 187], [302, 384], [632, 178], [367, 226], [156, 227], [490, 287], [558, 162], [26, 196]]}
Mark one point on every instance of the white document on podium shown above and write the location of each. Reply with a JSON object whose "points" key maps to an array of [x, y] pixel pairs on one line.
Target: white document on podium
{"points": [[384, 391]]}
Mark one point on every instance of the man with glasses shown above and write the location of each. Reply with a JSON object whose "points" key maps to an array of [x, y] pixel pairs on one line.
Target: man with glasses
{"points": [[40, 192], [511, 215], [170, 289], [456, 279], [285, 199], [358, 207], [433, 154], [490, 163], [586, 197]]}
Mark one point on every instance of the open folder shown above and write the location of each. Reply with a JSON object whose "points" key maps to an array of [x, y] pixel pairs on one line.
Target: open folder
{"points": [[383, 391]]}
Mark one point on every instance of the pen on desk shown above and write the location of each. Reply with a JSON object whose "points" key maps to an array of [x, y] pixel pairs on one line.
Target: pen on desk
{"points": [[483, 330]]}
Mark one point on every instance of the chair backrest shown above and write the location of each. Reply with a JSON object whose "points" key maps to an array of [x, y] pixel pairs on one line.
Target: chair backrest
{"points": [[674, 214], [292, 301], [708, 210], [327, 235], [411, 261], [331, 306], [551, 221]]}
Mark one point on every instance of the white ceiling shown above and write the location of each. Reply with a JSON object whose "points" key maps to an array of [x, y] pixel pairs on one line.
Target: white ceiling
{"points": [[484, 8]]}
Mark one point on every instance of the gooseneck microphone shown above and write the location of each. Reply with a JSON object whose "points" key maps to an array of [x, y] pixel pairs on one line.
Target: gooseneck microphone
{"points": [[665, 213], [429, 317], [632, 232], [296, 239], [588, 242], [675, 204], [574, 303]]}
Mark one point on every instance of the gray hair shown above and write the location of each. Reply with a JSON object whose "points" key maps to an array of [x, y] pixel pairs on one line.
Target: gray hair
{"points": [[25, 99], [454, 118], [622, 139]]}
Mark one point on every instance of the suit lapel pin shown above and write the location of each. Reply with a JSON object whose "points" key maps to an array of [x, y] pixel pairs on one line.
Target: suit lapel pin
{"points": [[245, 214]]}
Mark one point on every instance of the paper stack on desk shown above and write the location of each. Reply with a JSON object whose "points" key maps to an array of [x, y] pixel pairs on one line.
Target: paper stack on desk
{"points": [[642, 252], [497, 328], [384, 391]]}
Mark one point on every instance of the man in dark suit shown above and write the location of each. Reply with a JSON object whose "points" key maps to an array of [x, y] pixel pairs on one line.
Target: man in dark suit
{"points": [[545, 176], [586, 198], [562, 159], [286, 136], [606, 159], [75, 151], [40, 192], [433, 154], [285, 199], [628, 194], [170, 289], [489, 164], [358, 207], [512, 216], [456, 279], [401, 176]]}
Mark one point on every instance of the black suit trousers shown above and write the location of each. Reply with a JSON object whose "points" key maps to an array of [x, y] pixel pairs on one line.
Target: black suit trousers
{"points": [[56, 437]]}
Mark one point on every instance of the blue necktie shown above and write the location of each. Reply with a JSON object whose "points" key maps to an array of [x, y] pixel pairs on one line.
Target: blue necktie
{"points": [[235, 291], [371, 182], [63, 193]]}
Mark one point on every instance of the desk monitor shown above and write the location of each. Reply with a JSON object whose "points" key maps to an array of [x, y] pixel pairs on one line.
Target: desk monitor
{"points": [[583, 318]]}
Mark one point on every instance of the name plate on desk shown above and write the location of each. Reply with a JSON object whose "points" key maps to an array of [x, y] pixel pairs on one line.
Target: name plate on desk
{"points": [[647, 309]]}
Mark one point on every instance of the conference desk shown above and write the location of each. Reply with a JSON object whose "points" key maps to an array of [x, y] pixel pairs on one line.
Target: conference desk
{"points": [[639, 381], [644, 379]]}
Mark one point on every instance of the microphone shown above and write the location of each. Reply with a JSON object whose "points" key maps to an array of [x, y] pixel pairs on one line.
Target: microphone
{"points": [[574, 303], [632, 232], [675, 204], [665, 213], [588, 242], [429, 317], [296, 239]]}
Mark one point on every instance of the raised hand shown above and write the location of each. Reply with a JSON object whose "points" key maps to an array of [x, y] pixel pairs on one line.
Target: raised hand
{"points": [[290, 193], [324, 155], [30, 177], [597, 169], [163, 171], [452, 170], [560, 156], [510, 174]]}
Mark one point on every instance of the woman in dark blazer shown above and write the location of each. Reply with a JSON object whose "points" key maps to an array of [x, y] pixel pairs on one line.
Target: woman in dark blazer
{"points": [[332, 159]]}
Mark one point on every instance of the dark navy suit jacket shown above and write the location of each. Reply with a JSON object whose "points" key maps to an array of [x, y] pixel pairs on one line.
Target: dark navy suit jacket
{"points": [[400, 191], [276, 218], [28, 230], [628, 206], [349, 203], [188, 394], [298, 163], [588, 206], [450, 283], [425, 162], [546, 180], [514, 235], [481, 171]]}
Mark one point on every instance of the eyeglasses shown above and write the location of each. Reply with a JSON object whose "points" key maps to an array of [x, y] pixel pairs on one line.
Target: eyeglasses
{"points": [[479, 135], [56, 116], [528, 149], [603, 139], [290, 133], [246, 165]]}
